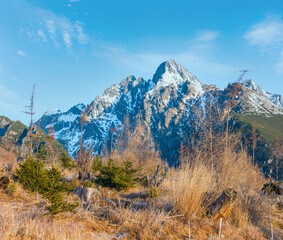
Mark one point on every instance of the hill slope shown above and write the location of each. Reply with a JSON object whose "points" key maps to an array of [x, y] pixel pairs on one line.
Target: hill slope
{"points": [[14, 136]]}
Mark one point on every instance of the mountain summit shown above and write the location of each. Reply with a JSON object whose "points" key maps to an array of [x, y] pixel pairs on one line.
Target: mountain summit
{"points": [[275, 98], [162, 103], [172, 72]]}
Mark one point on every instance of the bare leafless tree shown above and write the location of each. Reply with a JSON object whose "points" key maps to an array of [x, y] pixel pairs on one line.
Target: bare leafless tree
{"points": [[233, 90], [254, 139], [31, 113], [113, 131], [136, 145], [83, 120], [51, 137], [205, 125], [276, 153]]}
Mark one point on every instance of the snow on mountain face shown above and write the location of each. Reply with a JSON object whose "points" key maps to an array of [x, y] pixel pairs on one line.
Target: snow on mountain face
{"points": [[274, 98], [172, 73], [52, 112], [277, 99], [62, 123], [161, 102], [110, 97], [254, 103], [253, 86]]}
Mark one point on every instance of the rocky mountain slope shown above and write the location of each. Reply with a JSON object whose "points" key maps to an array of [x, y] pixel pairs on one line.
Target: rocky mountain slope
{"points": [[14, 137], [163, 102]]}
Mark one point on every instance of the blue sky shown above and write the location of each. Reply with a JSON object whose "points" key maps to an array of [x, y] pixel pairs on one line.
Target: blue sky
{"points": [[74, 49]]}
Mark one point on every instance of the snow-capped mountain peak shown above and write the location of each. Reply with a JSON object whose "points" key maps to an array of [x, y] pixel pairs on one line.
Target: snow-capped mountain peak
{"points": [[128, 79], [163, 104], [52, 112], [174, 74], [276, 99], [249, 83]]}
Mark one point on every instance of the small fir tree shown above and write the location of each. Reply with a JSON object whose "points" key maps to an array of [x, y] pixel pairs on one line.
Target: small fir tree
{"points": [[96, 164], [31, 175], [47, 182], [53, 190], [118, 177], [66, 161], [41, 154]]}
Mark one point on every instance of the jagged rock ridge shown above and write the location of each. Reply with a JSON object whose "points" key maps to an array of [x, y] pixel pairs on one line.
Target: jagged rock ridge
{"points": [[162, 103]]}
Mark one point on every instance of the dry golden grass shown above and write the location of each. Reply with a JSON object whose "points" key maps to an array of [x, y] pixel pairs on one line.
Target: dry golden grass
{"points": [[21, 218], [188, 187], [183, 197], [7, 158], [192, 182]]}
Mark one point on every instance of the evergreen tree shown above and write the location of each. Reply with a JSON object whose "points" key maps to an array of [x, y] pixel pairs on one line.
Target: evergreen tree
{"points": [[41, 154], [47, 182], [31, 175], [66, 161], [53, 190], [96, 164], [119, 177]]}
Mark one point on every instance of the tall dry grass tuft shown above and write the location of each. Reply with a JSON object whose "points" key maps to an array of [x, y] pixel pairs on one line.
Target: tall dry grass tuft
{"points": [[189, 186], [195, 185], [235, 168], [251, 207]]}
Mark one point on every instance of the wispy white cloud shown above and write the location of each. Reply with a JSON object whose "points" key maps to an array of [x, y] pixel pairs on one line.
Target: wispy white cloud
{"points": [[50, 25], [41, 34], [67, 39], [82, 38], [47, 26], [267, 33], [204, 40], [21, 53], [207, 36]]}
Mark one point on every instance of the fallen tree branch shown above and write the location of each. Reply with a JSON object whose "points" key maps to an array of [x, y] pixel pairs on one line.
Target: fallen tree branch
{"points": [[180, 215], [223, 205]]}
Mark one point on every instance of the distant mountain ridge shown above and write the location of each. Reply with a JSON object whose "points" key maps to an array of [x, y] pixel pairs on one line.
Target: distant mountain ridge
{"points": [[14, 135], [162, 102], [275, 98]]}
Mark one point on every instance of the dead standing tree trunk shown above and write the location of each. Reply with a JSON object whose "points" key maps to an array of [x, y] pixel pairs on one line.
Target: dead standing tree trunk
{"points": [[81, 160], [154, 181], [254, 139], [233, 90], [31, 113]]}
